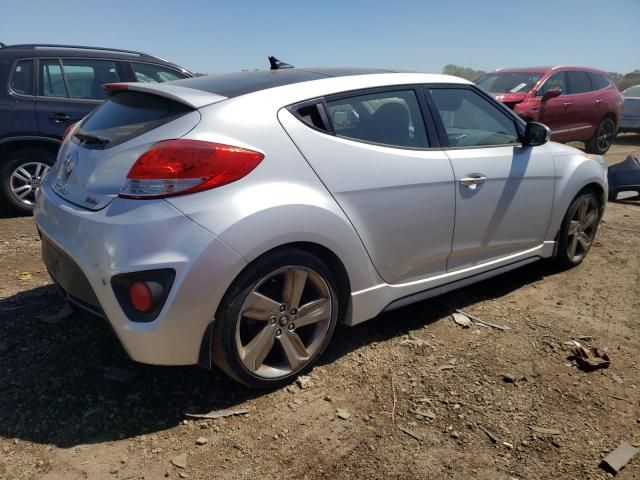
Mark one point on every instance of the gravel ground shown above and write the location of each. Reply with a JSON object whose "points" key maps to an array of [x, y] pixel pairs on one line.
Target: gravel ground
{"points": [[408, 395]]}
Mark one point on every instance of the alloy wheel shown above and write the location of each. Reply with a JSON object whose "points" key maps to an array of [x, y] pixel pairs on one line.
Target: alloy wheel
{"points": [[25, 180], [582, 229], [605, 135], [283, 322]]}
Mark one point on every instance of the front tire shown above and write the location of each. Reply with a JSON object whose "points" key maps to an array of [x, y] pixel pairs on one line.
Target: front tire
{"points": [[578, 230], [20, 178], [602, 139], [276, 319]]}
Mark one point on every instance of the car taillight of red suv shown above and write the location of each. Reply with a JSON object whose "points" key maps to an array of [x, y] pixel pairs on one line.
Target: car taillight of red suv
{"points": [[576, 103]]}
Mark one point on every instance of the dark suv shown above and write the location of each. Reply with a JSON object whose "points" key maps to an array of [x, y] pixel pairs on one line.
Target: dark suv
{"points": [[46, 88]]}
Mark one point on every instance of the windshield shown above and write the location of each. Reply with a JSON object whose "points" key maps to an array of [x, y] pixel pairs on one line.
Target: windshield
{"points": [[508, 82], [633, 92]]}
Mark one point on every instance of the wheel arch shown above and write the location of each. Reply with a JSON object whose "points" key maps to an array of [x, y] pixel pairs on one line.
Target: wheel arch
{"points": [[9, 146]]}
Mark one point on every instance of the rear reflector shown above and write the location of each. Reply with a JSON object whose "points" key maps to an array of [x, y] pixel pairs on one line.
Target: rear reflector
{"points": [[178, 167], [140, 296]]}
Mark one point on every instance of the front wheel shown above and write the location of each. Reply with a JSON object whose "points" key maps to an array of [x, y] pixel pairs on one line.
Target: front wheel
{"points": [[603, 138], [276, 320], [578, 230]]}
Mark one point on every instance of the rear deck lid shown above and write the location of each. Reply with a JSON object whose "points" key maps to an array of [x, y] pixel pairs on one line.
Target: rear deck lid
{"points": [[95, 159]]}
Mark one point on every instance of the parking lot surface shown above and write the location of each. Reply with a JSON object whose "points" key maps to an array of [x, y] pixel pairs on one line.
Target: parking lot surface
{"points": [[408, 395]]}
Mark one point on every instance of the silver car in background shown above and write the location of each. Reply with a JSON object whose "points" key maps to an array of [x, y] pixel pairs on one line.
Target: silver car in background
{"points": [[630, 121], [237, 218]]}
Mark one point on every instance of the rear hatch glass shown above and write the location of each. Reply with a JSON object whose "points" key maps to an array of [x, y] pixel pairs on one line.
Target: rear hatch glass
{"points": [[93, 166], [126, 115]]}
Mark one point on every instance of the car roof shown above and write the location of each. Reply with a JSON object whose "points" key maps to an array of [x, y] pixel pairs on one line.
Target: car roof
{"points": [[54, 50], [232, 85], [543, 70]]}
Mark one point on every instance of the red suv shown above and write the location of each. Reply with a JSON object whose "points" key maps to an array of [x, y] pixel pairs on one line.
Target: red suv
{"points": [[576, 103]]}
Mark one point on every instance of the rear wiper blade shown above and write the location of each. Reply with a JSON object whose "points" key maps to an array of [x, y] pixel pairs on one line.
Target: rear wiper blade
{"points": [[91, 139]]}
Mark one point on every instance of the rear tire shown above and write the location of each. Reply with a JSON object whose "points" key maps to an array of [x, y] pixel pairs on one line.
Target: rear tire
{"points": [[602, 139], [276, 319], [578, 230], [20, 177]]}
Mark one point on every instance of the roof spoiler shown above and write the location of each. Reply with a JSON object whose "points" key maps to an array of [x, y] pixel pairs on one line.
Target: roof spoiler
{"points": [[188, 96], [277, 64]]}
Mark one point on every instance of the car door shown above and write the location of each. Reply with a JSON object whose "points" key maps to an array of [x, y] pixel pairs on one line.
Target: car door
{"points": [[504, 191], [17, 110], [582, 105], [373, 154], [70, 88], [556, 112]]}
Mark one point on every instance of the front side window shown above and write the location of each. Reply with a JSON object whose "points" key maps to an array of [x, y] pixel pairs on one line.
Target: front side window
{"points": [[470, 120], [389, 118], [79, 79], [22, 78], [555, 81], [578, 82], [148, 73]]}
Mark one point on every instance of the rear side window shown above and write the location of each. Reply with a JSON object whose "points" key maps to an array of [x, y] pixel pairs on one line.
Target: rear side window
{"points": [[577, 82], [470, 120], [148, 73], [51, 79], [124, 116], [598, 81], [390, 118], [78, 79], [22, 78]]}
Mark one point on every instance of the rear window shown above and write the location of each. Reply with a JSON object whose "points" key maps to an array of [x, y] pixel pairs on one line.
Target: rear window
{"points": [[126, 115]]}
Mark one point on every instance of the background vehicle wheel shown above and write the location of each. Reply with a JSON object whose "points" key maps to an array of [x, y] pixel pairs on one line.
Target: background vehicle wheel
{"points": [[20, 177], [578, 230], [602, 139], [276, 319]]}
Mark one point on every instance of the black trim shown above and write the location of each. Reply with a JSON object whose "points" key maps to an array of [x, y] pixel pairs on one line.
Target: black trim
{"points": [[31, 138], [120, 283], [205, 359]]}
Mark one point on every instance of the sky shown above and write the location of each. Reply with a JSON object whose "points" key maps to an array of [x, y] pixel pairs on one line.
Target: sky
{"points": [[423, 35]]}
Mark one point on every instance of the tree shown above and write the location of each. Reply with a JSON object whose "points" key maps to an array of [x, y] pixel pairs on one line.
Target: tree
{"points": [[464, 72]]}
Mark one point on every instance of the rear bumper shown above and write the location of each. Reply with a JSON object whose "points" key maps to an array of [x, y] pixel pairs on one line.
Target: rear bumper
{"points": [[85, 249]]}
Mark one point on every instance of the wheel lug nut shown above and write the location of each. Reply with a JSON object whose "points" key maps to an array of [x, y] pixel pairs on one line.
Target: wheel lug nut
{"points": [[294, 311], [283, 307], [273, 320], [291, 327], [278, 332]]}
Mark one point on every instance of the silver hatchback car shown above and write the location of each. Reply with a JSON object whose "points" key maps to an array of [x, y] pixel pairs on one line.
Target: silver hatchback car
{"points": [[237, 218]]}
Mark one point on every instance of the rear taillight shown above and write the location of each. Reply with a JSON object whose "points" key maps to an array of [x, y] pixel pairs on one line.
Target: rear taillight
{"points": [[177, 167], [68, 131]]}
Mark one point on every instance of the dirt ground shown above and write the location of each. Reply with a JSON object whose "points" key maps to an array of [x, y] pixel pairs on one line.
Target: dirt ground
{"points": [[418, 391]]}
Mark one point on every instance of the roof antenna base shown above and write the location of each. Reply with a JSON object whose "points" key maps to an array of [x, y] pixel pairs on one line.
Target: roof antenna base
{"points": [[277, 64]]}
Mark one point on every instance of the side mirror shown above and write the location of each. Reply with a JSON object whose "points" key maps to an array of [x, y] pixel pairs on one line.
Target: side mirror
{"points": [[549, 94], [535, 134]]}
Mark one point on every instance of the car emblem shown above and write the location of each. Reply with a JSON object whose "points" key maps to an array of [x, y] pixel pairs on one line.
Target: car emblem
{"points": [[66, 170]]}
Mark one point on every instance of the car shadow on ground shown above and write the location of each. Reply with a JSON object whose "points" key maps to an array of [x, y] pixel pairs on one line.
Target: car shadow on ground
{"points": [[54, 389], [627, 139]]}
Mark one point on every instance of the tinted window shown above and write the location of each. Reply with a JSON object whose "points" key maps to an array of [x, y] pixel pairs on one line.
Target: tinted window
{"points": [[85, 78], [508, 82], [147, 73], [390, 118], [554, 81], [598, 81], [310, 114], [51, 80], [22, 79], [578, 82], [124, 116], [471, 120]]}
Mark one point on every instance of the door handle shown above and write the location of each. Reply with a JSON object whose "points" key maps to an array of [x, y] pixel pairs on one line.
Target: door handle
{"points": [[472, 181], [59, 118], [567, 104], [598, 101]]}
